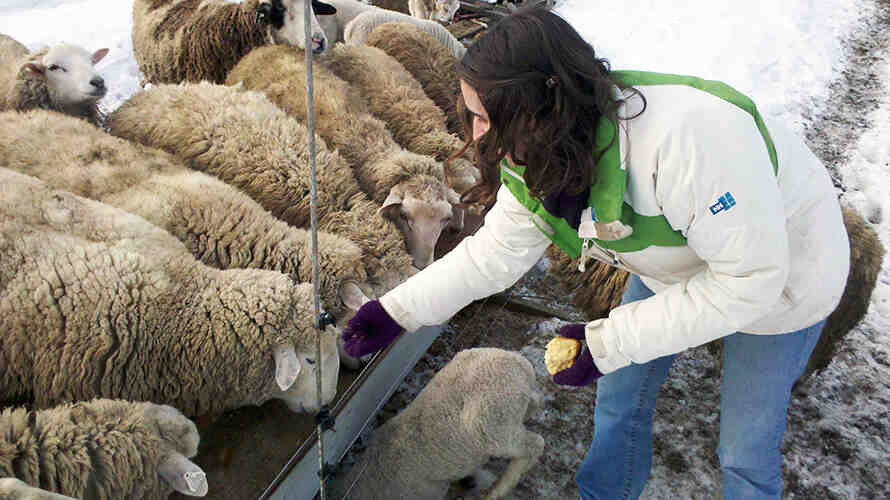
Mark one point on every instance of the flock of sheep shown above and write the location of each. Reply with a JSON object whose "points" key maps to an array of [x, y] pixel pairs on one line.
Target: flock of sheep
{"points": [[155, 263]]}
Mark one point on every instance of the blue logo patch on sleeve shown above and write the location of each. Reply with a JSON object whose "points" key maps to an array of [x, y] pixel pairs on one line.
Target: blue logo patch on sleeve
{"points": [[725, 202]]}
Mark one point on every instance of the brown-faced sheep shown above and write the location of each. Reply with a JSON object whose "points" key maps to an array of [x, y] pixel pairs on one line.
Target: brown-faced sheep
{"points": [[410, 187], [62, 77], [472, 410], [219, 224], [394, 96], [98, 302], [194, 40], [101, 449], [242, 138], [428, 61], [345, 25]]}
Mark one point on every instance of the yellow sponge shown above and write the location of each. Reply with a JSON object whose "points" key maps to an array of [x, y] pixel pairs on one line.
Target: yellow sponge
{"points": [[561, 353]]}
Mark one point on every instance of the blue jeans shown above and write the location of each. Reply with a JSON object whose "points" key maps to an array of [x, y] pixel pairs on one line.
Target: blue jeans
{"points": [[758, 373]]}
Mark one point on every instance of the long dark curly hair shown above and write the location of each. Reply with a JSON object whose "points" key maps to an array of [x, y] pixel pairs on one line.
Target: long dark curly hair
{"points": [[544, 90]]}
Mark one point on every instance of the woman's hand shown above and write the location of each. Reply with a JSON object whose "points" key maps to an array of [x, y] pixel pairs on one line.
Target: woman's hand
{"points": [[370, 330], [583, 371]]}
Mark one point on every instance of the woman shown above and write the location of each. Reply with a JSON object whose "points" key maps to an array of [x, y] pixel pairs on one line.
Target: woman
{"points": [[730, 226]]}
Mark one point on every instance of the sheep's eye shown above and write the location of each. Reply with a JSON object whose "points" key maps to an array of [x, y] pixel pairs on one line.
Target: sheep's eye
{"points": [[55, 67], [310, 361]]}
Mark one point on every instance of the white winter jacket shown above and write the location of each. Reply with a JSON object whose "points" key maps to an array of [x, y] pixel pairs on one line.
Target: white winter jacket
{"points": [[775, 262]]}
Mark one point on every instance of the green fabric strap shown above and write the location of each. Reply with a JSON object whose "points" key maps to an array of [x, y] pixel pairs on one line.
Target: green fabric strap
{"points": [[609, 184]]}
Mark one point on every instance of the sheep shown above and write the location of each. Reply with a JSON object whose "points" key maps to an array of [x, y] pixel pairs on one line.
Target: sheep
{"points": [[61, 77], [100, 449], [409, 187], [394, 96], [866, 261], [98, 302], [428, 61], [434, 10], [472, 410], [243, 139], [345, 25], [219, 224], [596, 291], [194, 40]]}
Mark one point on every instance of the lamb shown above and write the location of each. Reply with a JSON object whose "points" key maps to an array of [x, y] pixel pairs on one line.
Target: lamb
{"points": [[436, 10], [354, 20], [219, 224], [240, 137], [394, 96], [428, 61], [103, 448], [61, 77], [122, 307], [194, 40], [473, 409], [409, 187]]}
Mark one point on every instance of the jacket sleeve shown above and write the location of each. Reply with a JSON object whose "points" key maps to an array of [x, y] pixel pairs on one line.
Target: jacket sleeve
{"points": [[744, 246], [506, 246]]}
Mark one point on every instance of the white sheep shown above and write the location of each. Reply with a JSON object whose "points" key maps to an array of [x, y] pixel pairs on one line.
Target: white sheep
{"points": [[472, 410], [98, 302], [428, 61], [61, 77], [354, 20], [242, 138], [434, 10], [219, 224], [410, 187], [393, 95], [194, 40], [101, 449]]}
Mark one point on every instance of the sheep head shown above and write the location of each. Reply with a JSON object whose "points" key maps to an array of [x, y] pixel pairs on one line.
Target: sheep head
{"points": [[286, 22], [296, 372], [421, 207], [444, 10], [67, 75]]}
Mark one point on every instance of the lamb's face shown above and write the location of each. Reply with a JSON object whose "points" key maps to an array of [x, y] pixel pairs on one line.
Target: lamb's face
{"points": [[71, 77], [444, 10], [301, 396], [286, 18], [421, 210]]}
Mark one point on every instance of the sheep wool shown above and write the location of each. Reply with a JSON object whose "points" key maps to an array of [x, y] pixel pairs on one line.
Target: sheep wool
{"points": [[428, 61], [242, 138], [395, 97], [479, 400], [98, 302], [102, 449], [408, 185], [194, 40], [219, 224]]}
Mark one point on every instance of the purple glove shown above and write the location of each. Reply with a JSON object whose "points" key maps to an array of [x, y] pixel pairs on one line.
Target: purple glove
{"points": [[583, 371], [370, 330]]}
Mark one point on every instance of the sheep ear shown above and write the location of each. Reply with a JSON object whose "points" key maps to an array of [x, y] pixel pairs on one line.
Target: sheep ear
{"points": [[452, 196], [99, 55], [353, 297], [32, 71], [323, 9], [458, 213], [287, 366], [183, 475], [393, 201]]}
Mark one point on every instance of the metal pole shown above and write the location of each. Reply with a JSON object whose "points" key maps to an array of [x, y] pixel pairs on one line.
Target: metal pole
{"points": [[319, 324]]}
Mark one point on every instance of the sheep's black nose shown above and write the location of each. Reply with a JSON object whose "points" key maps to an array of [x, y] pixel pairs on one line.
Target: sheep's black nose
{"points": [[320, 46], [98, 82]]}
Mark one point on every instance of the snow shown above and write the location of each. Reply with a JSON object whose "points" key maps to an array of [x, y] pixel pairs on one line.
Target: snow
{"points": [[783, 54]]}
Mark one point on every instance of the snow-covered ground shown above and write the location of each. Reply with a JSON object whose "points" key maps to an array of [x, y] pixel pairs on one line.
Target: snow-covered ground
{"points": [[790, 57]]}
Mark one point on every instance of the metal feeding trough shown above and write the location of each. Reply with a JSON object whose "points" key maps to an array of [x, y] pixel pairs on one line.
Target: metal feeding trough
{"points": [[299, 479]]}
